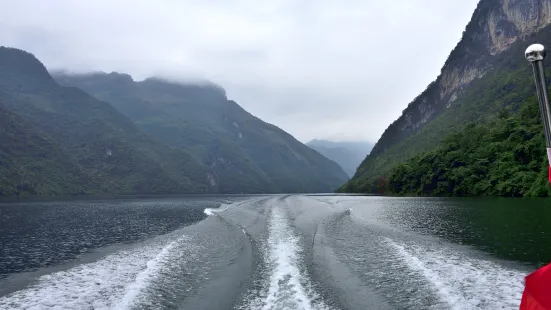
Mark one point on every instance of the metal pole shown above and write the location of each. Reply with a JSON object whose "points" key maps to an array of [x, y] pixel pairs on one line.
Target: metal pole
{"points": [[535, 54]]}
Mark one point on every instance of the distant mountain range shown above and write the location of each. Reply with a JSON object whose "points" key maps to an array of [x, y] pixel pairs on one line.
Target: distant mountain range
{"points": [[105, 133], [348, 155]]}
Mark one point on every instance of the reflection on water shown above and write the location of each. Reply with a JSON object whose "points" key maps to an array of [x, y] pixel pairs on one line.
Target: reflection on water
{"points": [[512, 229]]}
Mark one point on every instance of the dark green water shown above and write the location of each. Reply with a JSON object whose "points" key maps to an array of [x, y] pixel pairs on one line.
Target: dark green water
{"points": [[272, 252], [510, 229]]}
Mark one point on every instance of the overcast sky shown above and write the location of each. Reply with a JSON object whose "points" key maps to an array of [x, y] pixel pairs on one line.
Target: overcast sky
{"points": [[332, 69]]}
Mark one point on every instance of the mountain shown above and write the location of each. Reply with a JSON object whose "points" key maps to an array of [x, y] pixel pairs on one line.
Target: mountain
{"points": [[60, 140], [503, 157], [348, 155], [242, 153], [31, 162], [484, 75]]}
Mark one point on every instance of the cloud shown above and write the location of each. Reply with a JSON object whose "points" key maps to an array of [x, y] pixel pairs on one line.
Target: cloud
{"points": [[341, 70]]}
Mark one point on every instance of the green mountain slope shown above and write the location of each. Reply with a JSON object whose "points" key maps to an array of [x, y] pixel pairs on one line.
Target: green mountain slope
{"points": [[504, 157], [348, 155], [32, 164], [243, 153], [96, 142], [485, 74]]}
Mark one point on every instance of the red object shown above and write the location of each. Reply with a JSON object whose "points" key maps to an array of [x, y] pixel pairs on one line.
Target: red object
{"points": [[549, 175], [537, 291]]}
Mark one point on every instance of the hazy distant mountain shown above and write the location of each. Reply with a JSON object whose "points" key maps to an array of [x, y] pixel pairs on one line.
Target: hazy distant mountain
{"points": [[241, 152], [348, 155]]}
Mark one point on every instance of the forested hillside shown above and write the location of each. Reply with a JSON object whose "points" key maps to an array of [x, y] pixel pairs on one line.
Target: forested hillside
{"points": [[503, 157], [484, 74], [32, 163], [242, 152], [67, 142], [166, 138]]}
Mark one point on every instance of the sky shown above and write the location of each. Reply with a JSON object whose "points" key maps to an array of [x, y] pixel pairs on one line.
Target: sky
{"points": [[338, 70]]}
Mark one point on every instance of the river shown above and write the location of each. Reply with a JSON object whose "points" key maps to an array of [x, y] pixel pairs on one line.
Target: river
{"points": [[271, 252]]}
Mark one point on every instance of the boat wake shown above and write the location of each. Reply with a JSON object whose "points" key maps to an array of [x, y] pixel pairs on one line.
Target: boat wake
{"points": [[225, 206], [462, 282], [275, 253], [117, 281], [155, 268], [286, 285]]}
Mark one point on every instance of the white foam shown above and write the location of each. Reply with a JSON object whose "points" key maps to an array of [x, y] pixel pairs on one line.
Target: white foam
{"points": [[463, 282], [287, 287], [212, 211], [114, 281], [209, 211], [153, 269]]}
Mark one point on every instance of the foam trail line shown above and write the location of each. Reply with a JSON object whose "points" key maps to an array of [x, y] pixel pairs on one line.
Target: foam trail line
{"points": [[213, 211], [115, 281], [223, 207], [286, 286], [154, 269], [463, 282]]}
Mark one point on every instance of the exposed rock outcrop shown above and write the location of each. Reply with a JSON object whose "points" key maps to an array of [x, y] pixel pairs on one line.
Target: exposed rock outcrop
{"points": [[495, 25]]}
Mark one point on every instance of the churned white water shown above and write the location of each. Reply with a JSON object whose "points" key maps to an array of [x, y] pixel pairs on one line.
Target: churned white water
{"points": [[460, 281], [212, 211], [154, 268], [287, 287], [115, 282]]}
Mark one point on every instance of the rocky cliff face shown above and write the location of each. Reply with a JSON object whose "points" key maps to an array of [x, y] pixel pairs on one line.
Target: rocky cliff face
{"points": [[494, 27]]}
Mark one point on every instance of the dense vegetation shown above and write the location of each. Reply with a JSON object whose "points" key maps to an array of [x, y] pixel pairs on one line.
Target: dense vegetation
{"points": [[57, 140], [242, 153], [506, 86], [503, 157], [31, 163]]}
